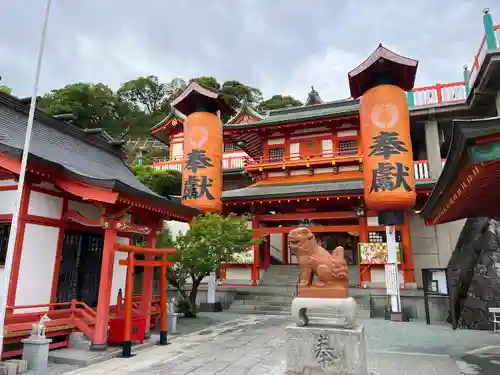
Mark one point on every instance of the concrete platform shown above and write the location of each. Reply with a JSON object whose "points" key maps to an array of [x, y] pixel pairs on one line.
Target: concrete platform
{"points": [[79, 357]]}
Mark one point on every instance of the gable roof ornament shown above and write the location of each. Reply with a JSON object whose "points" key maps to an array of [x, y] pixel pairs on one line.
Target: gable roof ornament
{"points": [[396, 69], [246, 108], [197, 98], [313, 97]]}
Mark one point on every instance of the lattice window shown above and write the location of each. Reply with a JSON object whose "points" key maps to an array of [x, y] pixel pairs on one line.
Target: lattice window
{"points": [[4, 241], [348, 147], [276, 154], [382, 236], [230, 147]]}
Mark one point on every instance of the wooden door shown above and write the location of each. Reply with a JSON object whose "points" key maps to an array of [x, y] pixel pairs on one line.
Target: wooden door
{"points": [[310, 148], [80, 269]]}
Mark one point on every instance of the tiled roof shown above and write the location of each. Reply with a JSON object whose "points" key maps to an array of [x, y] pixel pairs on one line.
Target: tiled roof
{"points": [[303, 113], [245, 107], [71, 151], [465, 133], [300, 189]]}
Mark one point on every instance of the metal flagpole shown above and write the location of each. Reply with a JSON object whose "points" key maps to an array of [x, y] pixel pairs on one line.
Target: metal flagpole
{"points": [[5, 280]]}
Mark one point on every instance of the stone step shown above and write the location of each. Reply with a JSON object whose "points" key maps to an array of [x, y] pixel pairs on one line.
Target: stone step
{"points": [[277, 310], [250, 297], [269, 290], [272, 271], [279, 303], [261, 303], [279, 277], [259, 293], [285, 284]]}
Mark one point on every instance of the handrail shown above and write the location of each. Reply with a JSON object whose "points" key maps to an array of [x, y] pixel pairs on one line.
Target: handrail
{"points": [[86, 308], [56, 304], [350, 153], [180, 159]]}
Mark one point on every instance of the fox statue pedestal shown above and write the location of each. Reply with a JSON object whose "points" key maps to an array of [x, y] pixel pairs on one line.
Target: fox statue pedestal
{"points": [[329, 346]]}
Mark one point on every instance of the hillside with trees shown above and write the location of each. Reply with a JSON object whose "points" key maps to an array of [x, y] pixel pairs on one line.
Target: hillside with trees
{"points": [[141, 103]]}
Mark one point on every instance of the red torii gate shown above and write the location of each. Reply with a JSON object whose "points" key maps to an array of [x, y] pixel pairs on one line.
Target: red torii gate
{"points": [[150, 261]]}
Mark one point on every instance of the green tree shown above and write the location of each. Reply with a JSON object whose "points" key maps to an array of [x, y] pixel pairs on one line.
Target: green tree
{"points": [[164, 239], [97, 106], [234, 92], [207, 82], [278, 102], [93, 105], [175, 87], [145, 93], [5, 89], [210, 241], [165, 183]]}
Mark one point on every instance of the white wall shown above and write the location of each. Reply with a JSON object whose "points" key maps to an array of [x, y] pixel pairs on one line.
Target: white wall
{"points": [[9, 182], [177, 150], [38, 253], [36, 269], [119, 272], [432, 246], [277, 246], [47, 186], [88, 210], [176, 227], [239, 275], [7, 198], [45, 205]]}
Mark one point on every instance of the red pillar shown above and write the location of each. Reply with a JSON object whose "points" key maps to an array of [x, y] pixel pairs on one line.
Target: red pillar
{"points": [[102, 316], [284, 247], [163, 302], [18, 246], [363, 270], [267, 254], [256, 253], [407, 261], [147, 285], [129, 293]]}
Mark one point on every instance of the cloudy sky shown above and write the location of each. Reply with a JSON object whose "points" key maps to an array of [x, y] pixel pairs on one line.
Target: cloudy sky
{"points": [[279, 46]]}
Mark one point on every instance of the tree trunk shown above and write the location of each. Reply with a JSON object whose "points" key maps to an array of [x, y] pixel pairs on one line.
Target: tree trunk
{"points": [[192, 298]]}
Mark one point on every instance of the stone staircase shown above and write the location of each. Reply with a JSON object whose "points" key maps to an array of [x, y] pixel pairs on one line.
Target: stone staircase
{"points": [[275, 295]]}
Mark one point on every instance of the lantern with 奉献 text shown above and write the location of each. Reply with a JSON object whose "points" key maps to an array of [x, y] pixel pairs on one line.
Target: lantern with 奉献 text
{"points": [[203, 147], [389, 180]]}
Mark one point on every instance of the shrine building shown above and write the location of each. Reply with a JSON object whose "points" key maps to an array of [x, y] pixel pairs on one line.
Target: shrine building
{"points": [[79, 200], [302, 166]]}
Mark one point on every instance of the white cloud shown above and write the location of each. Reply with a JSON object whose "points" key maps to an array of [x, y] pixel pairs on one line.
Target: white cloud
{"points": [[279, 46], [326, 71]]}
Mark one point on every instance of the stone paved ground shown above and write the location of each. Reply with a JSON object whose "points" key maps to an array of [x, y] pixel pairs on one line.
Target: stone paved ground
{"points": [[254, 345]]}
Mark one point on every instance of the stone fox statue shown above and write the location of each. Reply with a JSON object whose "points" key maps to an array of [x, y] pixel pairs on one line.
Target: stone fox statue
{"points": [[330, 269]]}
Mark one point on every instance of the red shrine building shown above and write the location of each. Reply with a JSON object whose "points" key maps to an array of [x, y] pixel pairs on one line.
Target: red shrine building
{"points": [[302, 166], [80, 203]]}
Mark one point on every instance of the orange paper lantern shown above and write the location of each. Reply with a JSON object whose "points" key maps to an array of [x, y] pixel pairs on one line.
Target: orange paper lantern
{"points": [[202, 173], [389, 179]]}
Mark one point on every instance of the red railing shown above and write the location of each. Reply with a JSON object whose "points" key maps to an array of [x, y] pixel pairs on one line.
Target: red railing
{"points": [[479, 57], [119, 308], [456, 91], [295, 159], [439, 94], [421, 167], [228, 163], [64, 318]]}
